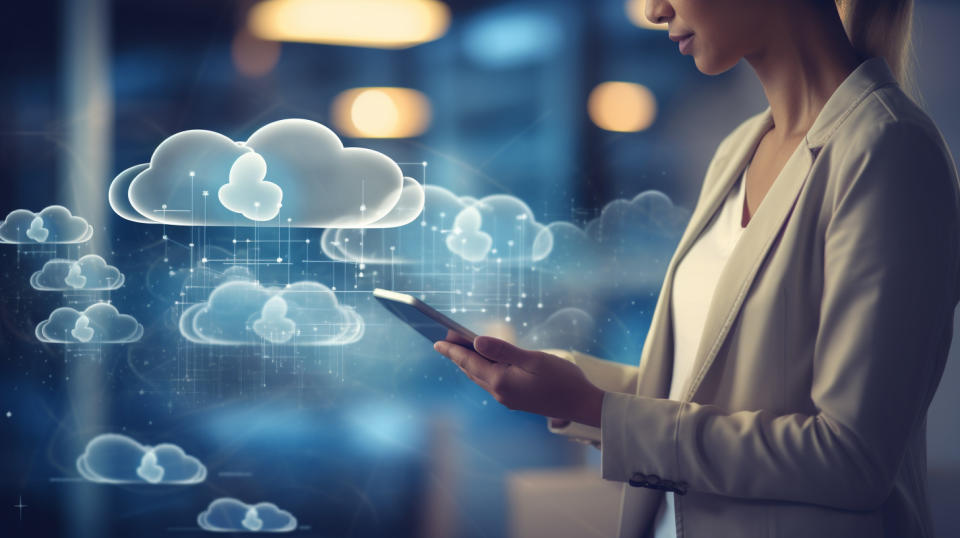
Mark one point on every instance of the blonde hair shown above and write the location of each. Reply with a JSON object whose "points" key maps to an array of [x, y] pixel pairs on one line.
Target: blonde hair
{"points": [[883, 28]]}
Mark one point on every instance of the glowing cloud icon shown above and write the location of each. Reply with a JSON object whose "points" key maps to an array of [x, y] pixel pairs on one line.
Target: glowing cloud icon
{"points": [[227, 514], [274, 325], [89, 273], [248, 193], [112, 458], [100, 323], [321, 183], [53, 225]]}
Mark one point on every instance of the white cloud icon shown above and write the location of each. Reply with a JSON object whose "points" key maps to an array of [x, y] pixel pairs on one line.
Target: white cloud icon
{"points": [[243, 312], [203, 178], [113, 458]]}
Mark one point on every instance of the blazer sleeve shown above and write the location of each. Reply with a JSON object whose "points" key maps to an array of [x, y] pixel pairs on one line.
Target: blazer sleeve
{"points": [[891, 266], [607, 375]]}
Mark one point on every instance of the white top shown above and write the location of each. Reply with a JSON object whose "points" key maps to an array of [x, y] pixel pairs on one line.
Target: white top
{"points": [[693, 285]]}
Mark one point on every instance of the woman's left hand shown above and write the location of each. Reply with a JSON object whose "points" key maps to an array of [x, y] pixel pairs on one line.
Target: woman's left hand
{"points": [[524, 380]]}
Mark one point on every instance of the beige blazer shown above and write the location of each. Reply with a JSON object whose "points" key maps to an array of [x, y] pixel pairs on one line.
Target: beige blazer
{"points": [[824, 343]]}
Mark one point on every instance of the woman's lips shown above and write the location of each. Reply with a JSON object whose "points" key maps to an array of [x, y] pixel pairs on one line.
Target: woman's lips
{"points": [[685, 44]]}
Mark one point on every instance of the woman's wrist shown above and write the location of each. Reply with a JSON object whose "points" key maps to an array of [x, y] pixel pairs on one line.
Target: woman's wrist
{"points": [[590, 407]]}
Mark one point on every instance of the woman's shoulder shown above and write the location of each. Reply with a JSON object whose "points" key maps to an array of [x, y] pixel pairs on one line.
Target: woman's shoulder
{"points": [[889, 119]]}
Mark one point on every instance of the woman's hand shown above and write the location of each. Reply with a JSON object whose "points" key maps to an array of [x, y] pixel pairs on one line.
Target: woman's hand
{"points": [[525, 380]]}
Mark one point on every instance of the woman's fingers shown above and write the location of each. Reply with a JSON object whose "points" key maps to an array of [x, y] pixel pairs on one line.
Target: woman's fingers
{"points": [[499, 350], [459, 339], [475, 365]]}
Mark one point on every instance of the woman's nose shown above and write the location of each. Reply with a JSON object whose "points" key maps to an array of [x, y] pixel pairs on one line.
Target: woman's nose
{"points": [[658, 11]]}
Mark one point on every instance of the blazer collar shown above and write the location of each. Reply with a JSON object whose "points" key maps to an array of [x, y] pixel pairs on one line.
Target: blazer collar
{"points": [[867, 77], [756, 239]]}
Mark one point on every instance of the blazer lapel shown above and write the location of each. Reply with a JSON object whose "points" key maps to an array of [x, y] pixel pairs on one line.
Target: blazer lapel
{"points": [[745, 260], [755, 241], [656, 359]]}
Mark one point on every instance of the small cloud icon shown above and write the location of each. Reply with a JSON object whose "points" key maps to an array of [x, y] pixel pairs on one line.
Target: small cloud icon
{"points": [[515, 235], [100, 323], [420, 240], [75, 278], [227, 514], [113, 458], [81, 329], [467, 240], [36, 231], [90, 273], [53, 225], [242, 312], [274, 325], [248, 193], [148, 469], [627, 247], [252, 521]]}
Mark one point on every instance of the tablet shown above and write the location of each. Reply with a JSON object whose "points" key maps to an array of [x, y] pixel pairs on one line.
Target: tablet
{"points": [[427, 320]]}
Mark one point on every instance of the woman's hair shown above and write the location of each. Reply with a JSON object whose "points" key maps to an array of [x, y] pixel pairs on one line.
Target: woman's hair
{"points": [[882, 28]]}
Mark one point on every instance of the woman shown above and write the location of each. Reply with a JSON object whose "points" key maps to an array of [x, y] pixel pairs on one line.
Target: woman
{"points": [[806, 315]]}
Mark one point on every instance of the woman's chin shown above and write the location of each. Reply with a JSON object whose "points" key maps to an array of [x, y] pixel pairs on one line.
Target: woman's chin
{"points": [[710, 66]]}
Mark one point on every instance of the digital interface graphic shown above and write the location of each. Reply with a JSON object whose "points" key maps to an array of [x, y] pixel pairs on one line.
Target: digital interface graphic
{"points": [[262, 259]]}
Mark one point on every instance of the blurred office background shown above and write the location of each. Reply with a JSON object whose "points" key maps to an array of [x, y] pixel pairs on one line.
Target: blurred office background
{"points": [[565, 104]]}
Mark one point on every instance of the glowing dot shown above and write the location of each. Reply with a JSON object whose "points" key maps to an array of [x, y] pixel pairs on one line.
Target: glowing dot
{"points": [[308, 241], [523, 295], [361, 274], [205, 193], [203, 260], [191, 245], [423, 223], [234, 241], [192, 173], [164, 237], [453, 310], [163, 206], [9, 414], [539, 305], [506, 319], [363, 207], [256, 204], [288, 219], [469, 294], [483, 309], [519, 305], [363, 266], [279, 260], [510, 243]]}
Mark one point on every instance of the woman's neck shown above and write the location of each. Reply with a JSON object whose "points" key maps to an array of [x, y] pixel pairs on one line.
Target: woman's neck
{"points": [[806, 58]]}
